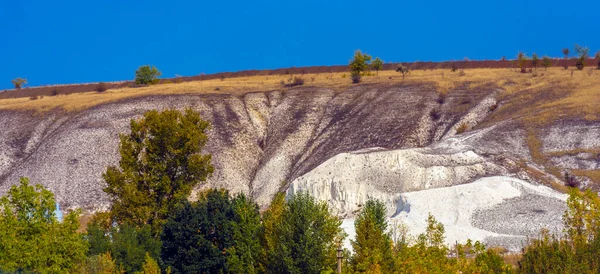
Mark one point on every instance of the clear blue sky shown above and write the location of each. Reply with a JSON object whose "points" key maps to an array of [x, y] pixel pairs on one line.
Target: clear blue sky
{"points": [[55, 42]]}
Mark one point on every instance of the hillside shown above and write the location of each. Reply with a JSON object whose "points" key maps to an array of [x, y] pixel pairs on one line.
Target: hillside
{"points": [[386, 137]]}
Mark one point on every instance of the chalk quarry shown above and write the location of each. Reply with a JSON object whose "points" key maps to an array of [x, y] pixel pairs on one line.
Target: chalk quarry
{"points": [[344, 147]]}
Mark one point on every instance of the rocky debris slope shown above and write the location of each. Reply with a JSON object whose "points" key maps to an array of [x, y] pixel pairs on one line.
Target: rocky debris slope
{"points": [[259, 140]]}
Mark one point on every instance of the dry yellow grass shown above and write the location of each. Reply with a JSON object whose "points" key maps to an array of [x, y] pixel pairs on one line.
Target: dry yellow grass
{"points": [[579, 93]]}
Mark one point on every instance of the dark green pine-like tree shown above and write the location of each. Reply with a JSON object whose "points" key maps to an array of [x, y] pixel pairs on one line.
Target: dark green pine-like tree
{"points": [[198, 235]]}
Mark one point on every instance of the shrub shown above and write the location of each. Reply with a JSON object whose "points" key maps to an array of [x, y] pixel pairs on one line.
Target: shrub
{"points": [[462, 128], [546, 62], [356, 78], [294, 81], [535, 60], [571, 181], [453, 67], [19, 82], [403, 70], [34, 97], [583, 53], [146, 75], [435, 114], [462, 73], [565, 52], [102, 87], [522, 61]]}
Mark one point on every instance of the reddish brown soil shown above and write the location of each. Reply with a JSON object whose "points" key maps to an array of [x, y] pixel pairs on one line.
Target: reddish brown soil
{"points": [[77, 88]]}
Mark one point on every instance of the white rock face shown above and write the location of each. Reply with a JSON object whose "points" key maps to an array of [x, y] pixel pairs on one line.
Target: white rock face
{"points": [[456, 206], [349, 179]]}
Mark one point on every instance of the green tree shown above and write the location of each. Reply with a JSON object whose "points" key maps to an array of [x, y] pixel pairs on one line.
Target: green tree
{"points": [[522, 61], [31, 237], [244, 256], [565, 52], [546, 62], [583, 53], [161, 162], [19, 82], [359, 65], [147, 75], [377, 65], [373, 244], [150, 266], [129, 245], [404, 70], [303, 238], [100, 264], [535, 60], [198, 235]]}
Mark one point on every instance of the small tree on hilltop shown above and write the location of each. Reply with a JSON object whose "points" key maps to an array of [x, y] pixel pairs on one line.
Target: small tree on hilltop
{"points": [[19, 82], [377, 65], [359, 65], [546, 62], [402, 69], [583, 53], [565, 52], [146, 75], [522, 61], [534, 60]]}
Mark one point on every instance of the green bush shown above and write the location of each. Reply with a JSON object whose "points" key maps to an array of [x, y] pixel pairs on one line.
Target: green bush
{"points": [[146, 75]]}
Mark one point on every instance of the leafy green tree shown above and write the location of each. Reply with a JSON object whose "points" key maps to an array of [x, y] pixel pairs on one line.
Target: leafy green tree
{"points": [[377, 65], [150, 266], [19, 82], [359, 65], [198, 235], [244, 256], [147, 75], [373, 244], [522, 61], [535, 60], [546, 62], [303, 237], [161, 162], [31, 237], [583, 53]]}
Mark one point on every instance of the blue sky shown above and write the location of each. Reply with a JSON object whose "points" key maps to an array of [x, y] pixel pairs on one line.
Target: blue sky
{"points": [[57, 42]]}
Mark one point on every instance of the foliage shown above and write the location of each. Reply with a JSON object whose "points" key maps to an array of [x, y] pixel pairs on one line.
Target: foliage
{"points": [[244, 256], [294, 81], [535, 60], [359, 65], [127, 244], [583, 53], [100, 264], [19, 82], [161, 162], [377, 64], [150, 266], [300, 236], [403, 70], [31, 237], [373, 244], [102, 87], [579, 252], [566, 52], [197, 235], [147, 75], [522, 61], [546, 62]]}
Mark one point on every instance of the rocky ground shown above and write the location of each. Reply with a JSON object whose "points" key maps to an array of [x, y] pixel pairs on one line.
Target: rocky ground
{"points": [[343, 146]]}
